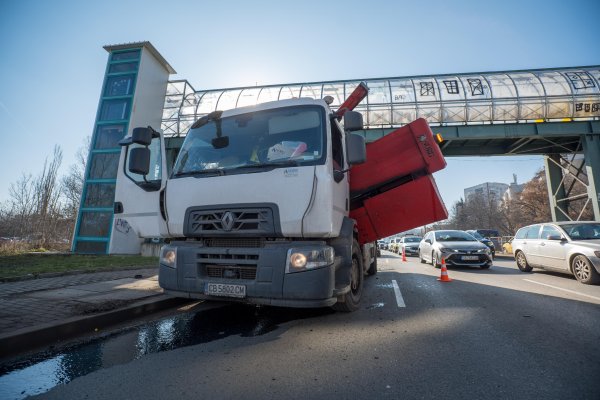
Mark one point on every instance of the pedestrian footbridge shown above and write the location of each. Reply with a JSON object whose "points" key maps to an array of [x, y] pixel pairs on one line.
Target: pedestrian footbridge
{"points": [[553, 112]]}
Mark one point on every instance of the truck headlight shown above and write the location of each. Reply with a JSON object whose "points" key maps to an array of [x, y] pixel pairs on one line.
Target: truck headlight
{"points": [[305, 258], [168, 256]]}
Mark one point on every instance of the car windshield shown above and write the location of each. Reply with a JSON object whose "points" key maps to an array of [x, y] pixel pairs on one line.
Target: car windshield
{"points": [[453, 236], [476, 234], [412, 239], [263, 139], [582, 231]]}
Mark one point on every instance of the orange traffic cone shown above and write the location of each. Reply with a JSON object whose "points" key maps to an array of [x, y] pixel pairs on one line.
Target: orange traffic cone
{"points": [[444, 275], [403, 254]]}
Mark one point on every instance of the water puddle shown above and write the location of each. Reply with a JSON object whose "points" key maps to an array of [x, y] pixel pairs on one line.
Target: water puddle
{"points": [[42, 372]]}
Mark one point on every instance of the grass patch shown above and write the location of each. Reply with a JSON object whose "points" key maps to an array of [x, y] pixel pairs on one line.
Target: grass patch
{"points": [[21, 265]]}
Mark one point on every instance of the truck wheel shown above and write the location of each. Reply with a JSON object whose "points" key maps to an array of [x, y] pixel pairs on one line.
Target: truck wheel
{"points": [[350, 301], [373, 267]]}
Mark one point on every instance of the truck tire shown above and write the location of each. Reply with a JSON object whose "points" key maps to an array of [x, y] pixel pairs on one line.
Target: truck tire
{"points": [[350, 301]]}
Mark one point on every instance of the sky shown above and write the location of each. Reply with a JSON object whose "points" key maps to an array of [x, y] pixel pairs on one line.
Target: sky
{"points": [[52, 62]]}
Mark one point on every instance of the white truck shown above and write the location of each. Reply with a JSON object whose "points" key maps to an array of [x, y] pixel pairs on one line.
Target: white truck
{"points": [[256, 206]]}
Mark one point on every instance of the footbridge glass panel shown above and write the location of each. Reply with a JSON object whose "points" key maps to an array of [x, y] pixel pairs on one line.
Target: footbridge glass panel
{"points": [[546, 95]]}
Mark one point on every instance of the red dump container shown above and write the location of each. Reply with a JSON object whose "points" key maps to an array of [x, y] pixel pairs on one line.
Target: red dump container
{"points": [[405, 207], [403, 152]]}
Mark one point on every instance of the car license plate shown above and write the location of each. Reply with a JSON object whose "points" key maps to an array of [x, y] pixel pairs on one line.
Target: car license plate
{"points": [[221, 289], [466, 258]]}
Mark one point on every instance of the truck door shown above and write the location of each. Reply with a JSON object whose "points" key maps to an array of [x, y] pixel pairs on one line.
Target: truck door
{"points": [[139, 204], [340, 189]]}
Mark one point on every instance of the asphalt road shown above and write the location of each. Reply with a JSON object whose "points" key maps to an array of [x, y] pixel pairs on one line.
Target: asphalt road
{"points": [[488, 334]]}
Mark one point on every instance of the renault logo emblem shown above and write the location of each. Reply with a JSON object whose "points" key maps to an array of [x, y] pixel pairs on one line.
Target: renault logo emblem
{"points": [[227, 221]]}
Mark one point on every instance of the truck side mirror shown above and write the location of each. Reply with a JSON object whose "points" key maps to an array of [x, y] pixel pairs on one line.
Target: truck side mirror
{"points": [[141, 136], [353, 121], [139, 161], [356, 148]]}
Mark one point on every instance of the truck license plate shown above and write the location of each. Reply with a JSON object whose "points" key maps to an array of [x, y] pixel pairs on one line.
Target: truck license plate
{"points": [[470, 258], [221, 289]]}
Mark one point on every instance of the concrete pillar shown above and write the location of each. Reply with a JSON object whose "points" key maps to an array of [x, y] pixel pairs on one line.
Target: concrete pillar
{"points": [[556, 191], [591, 150]]}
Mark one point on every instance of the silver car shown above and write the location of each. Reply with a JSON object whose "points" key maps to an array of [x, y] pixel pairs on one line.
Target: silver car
{"points": [[410, 245], [571, 247], [456, 247]]}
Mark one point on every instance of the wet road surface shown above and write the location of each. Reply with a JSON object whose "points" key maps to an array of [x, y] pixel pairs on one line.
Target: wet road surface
{"points": [[493, 333]]}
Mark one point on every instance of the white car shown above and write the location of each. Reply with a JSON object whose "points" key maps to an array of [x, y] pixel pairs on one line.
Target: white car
{"points": [[410, 245], [571, 247], [456, 248]]}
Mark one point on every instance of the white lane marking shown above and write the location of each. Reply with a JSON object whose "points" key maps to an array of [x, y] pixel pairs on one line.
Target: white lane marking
{"points": [[566, 290], [399, 298]]}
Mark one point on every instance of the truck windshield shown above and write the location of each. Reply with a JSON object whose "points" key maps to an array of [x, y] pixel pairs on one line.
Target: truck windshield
{"points": [[262, 139]]}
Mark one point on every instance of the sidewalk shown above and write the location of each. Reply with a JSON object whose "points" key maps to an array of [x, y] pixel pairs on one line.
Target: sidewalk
{"points": [[39, 312]]}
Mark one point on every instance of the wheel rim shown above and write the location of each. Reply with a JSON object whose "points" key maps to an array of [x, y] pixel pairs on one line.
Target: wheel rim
{"points": [[581, 269], [433, 260], [521, 260]]}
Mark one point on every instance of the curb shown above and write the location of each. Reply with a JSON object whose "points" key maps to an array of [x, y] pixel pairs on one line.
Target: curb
{"points": [[73, 272], [29, 338]]}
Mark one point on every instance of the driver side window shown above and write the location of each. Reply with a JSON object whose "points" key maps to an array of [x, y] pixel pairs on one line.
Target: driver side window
{"points": [[549, 230], [337, 148]]}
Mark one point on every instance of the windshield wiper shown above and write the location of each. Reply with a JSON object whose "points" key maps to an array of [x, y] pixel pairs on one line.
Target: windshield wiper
{"points": [[286, 163], [212, 172]]}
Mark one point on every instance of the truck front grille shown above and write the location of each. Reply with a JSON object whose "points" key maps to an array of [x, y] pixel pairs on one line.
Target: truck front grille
{"points": [[231, 272], [230, 221], [225, 265], [229, 243]]}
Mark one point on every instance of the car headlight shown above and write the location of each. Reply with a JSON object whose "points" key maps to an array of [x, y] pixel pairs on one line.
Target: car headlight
{"points": [[447, 250], [305, 258], [486, 250], [597, 253], [168, 256]]}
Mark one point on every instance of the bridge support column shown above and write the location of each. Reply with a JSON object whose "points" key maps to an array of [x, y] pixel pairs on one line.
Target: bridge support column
{"points": [[556, 191], [591, 150]]}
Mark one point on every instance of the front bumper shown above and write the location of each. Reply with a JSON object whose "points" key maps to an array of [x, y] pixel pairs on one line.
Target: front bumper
{"points": [[458, 259], [261, 270], [411, 250]]}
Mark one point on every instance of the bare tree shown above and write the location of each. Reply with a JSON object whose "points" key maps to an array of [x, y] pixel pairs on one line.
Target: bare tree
{"points": [[21, 206], [72, 182], [47, 193], [478, 211]]}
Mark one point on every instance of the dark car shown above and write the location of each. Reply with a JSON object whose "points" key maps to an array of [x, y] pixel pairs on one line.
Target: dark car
{"points": [[483, 240]]}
